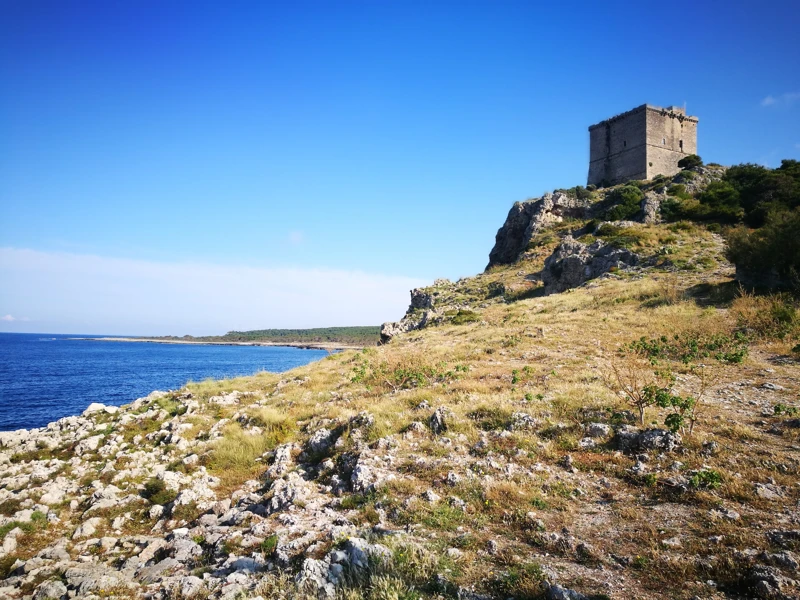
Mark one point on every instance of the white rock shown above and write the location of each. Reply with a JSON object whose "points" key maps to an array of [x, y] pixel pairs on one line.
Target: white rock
{"points": [[191, 586], [87, 528], [94, 407], [89, 444], [51, 590]]}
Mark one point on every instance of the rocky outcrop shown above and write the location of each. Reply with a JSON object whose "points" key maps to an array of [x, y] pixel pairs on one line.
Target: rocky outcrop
{"points": [[651, 208], [526, 219], [422, 311], [574, 263], [415, 320]]}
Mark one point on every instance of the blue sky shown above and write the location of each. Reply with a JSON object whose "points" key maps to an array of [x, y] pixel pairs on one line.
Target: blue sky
{"points": [[377, 138]]}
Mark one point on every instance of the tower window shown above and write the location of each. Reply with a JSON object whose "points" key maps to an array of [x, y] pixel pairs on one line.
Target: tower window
{"points": [[663, 141], [681, 145], [624, 144]]}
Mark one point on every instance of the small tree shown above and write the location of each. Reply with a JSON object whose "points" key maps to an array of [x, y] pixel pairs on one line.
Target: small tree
{"points": [[690, 162], [638, 384]]}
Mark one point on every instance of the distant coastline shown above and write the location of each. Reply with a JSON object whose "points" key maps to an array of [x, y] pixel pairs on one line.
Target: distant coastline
{"points": [[304, 345]]}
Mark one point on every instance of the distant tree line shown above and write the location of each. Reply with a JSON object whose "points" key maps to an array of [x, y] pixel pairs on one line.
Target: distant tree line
{"points": [[356, 336]]}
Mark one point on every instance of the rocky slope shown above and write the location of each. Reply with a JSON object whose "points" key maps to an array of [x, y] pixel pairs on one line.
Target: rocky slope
{"points": [[492, 448]]}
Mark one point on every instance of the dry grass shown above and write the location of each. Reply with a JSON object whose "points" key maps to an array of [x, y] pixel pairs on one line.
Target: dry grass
{"points": [[233, 457], [551, 357]]}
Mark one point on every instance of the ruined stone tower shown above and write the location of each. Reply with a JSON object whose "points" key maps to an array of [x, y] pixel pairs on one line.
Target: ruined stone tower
{"points": [[640, 144]]}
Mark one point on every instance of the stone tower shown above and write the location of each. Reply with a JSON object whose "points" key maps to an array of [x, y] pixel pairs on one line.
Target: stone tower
{"points": [[640, 144]]}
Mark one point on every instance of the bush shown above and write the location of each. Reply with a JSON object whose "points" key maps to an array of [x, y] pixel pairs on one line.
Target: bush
{"points": [[465, 316], [690, 162], [157, 492], [706, 479], [628, 201], [269, 545], [719, 202], [747, 192], [579, 192], [404, 371], [762, 190], [771, 253], [678, 190]]}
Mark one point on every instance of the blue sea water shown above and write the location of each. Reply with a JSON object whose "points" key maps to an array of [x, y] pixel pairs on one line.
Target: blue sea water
{"points": [[45, 377]]}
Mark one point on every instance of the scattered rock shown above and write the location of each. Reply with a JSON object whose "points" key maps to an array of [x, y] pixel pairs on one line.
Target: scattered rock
{"points": [[438, 420], [598, 430], [768, 491], [521, 421], [321, 440], [556, 592], [51, 590]]}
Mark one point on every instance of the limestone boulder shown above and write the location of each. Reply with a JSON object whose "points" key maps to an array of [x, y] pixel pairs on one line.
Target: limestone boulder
{"points": [[573, 263]]}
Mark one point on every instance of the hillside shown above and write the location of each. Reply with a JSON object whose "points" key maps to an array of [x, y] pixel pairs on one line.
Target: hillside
{"points": [[602, 413]]}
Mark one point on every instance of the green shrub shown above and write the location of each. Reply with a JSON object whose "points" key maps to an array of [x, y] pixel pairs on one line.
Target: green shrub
{"points": [[405, 372], [269, 545], [774, 248], [783, 409], [718, 202], [157, 492], [579, 192], [762, 190], [465, 316], [690, 162], [706, 478], [689, 347], [622, 237], [6, 564], [628, 201], [678, 190]]}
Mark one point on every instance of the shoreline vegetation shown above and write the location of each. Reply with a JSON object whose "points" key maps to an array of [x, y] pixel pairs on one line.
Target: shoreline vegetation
{"points": [[302, 345], [322, 338]]}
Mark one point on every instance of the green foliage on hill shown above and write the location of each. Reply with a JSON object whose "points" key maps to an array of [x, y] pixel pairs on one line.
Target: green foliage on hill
{"points": [[690, 162], [747, 194], [762, 206], [760, 191], [628, 200], [719, 203], [773, 248], [364, 335]]}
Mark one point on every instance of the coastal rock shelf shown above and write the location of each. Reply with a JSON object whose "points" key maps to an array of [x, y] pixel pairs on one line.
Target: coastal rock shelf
{"points": [[114, 509]]}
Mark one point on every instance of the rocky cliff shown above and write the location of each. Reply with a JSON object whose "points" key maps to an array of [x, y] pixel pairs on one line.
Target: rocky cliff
{"points": [[527, 219]]}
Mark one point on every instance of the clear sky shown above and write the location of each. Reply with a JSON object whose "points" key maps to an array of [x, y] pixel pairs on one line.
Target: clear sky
{"points": [[349, 149]]}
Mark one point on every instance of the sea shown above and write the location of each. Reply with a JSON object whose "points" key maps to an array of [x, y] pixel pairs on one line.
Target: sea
{"points": [[44, 377]]}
